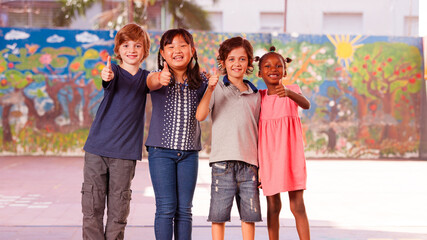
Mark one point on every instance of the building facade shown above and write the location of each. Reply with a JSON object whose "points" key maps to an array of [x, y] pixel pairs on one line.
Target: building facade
{"points": [[365, 17]]}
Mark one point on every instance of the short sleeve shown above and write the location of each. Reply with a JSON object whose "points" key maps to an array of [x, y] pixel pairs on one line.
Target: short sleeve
{"points": [[212, 101], [295, 88]]}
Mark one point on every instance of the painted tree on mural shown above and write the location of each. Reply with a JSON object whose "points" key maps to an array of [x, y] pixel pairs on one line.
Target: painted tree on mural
{"points": [[35, 68], [40, 80], [310, 62], [16, 79], [335, 112], [6, 100], [88, 80], [388, 76], [311, 65]]}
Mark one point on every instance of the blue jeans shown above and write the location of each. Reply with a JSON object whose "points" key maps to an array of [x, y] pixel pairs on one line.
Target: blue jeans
{"points": [[174, 176]]}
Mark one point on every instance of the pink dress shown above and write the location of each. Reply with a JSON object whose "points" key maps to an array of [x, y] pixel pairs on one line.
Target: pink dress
{"points": [[280, 145]]}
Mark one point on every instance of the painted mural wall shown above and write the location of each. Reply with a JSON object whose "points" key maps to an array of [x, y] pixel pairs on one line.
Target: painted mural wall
{"points": [[366, 92]]}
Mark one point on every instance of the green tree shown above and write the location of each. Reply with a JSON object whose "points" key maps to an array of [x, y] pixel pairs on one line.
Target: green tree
{"points": [[185, 14], [310, 62], [336, 113], [387, 73]]}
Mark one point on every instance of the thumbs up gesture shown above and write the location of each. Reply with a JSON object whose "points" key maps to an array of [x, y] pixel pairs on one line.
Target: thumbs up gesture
{"points": [[282, 90], [165, 75], [213, 79], [107, 73]]}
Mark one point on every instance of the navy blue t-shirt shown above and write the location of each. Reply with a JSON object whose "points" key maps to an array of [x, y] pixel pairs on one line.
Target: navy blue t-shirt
{"points": [[118, 128], [173, 122]]}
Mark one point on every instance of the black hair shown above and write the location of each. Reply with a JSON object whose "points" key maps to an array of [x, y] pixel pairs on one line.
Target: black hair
{"points": [[271, 52], [193, 72]]}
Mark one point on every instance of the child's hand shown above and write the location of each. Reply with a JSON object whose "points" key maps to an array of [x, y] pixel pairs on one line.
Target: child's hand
{"points": [[107, 73], [282, 91], [165, 75], [207, 75], [213, 80]]}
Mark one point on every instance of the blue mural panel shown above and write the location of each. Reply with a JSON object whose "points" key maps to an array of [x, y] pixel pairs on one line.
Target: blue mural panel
{"points": [[366, 91]]}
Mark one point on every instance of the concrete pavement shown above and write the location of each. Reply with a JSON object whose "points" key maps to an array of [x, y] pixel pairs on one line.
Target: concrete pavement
{"points": [[345, 200]]}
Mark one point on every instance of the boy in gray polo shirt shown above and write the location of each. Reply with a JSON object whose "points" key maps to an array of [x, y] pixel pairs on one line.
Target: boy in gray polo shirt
{"points": [[234, 108]]}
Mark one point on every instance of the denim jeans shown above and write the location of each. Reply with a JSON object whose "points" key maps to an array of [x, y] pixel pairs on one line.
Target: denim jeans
{"points": [[174, 176], [239, 180]]}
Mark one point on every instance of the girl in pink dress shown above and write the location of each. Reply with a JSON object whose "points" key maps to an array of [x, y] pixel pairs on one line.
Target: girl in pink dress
{"points": [[280, 144]]}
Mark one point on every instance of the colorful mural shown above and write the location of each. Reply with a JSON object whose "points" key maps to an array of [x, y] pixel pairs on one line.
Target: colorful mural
{"points": [[366, 91]]}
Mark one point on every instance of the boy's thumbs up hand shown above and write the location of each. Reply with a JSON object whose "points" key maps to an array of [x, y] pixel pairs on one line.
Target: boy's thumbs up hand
{"points": [[165, 75], [107, 73], [108, 62], [213, 80]]}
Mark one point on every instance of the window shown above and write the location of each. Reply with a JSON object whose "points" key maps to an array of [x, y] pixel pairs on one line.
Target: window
{"points": [[342, 23], [411, 26], [272, 22], [29, 14], [215, 19]]}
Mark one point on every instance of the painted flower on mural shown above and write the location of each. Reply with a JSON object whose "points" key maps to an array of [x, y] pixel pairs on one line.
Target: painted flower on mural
{"points": [[95, 72], [45, 59], [342, 144], [104, 55], [32, 48], [29, 78], [75, 66]]}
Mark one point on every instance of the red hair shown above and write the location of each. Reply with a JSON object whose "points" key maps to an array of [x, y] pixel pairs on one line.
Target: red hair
{"points": [[132, 32]]}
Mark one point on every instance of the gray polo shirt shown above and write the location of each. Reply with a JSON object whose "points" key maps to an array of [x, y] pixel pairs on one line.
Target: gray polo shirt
{"points": [[235, 118]]}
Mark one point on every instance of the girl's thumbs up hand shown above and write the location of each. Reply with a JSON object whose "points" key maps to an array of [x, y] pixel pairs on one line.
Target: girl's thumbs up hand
{"points": [[281, 90], [213, 79], [165, 75], [107, 73]]}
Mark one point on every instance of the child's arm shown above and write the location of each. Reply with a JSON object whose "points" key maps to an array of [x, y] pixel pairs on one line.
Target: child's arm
{"points": [[302, 101], [156, 80], [203, 108]]}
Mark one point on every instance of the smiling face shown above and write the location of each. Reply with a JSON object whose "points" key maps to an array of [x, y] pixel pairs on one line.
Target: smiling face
{"points": [[131, 53], [236, 63], [178, 53], [272, 70]]}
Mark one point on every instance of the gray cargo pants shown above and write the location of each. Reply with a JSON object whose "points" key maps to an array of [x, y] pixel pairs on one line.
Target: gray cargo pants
{"points": [[106, 178]]}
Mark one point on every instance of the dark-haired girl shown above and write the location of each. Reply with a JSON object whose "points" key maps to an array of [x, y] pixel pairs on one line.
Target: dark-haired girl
{"points": [[173, 141]]}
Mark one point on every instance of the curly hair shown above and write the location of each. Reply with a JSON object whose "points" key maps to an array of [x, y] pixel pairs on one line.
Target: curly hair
{"points": [[229, 45]]}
